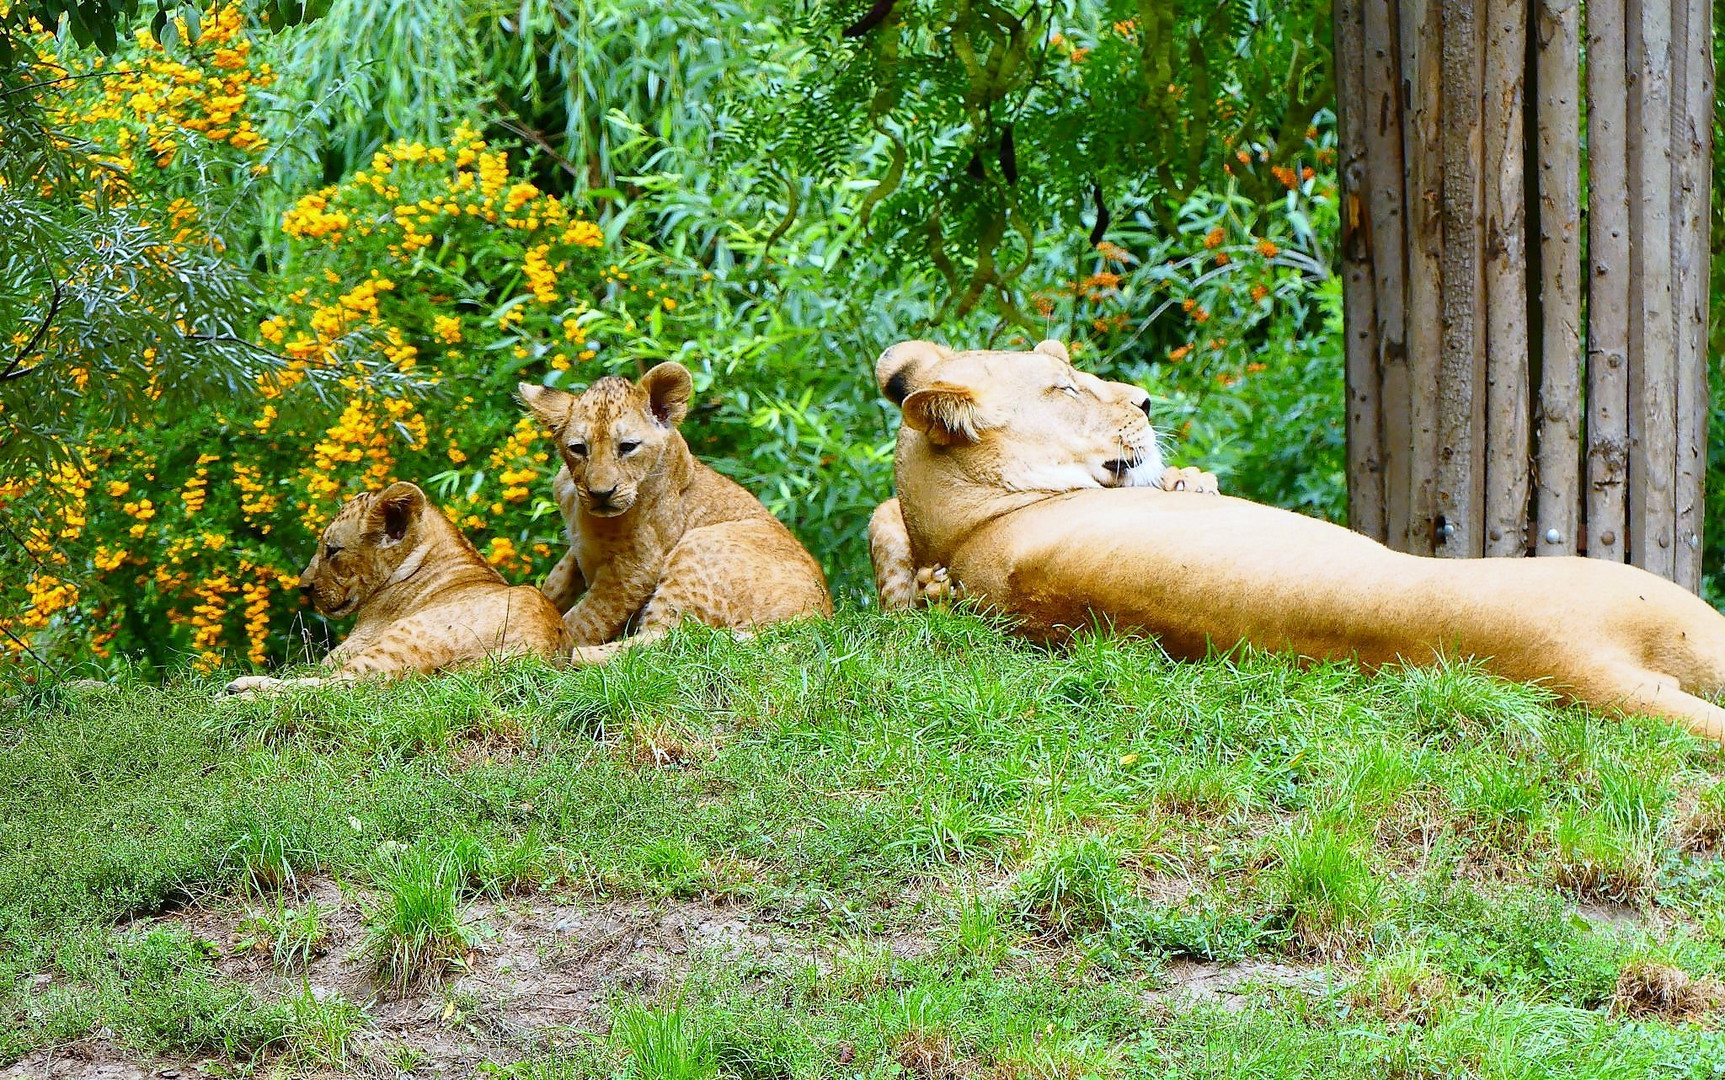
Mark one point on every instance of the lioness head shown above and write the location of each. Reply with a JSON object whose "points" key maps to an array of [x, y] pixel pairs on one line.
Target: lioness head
{"points": [[615, 434], [1024, 421], [374, 541]]}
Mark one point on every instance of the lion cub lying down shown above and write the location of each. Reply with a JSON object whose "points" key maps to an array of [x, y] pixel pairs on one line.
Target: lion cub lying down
{"points": [[655, 535], [424, 598], [1011, 471]]}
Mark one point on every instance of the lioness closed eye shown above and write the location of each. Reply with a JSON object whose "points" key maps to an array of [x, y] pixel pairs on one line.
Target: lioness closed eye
{"points": [[423, 597], [1001, 477], [655, 536]]}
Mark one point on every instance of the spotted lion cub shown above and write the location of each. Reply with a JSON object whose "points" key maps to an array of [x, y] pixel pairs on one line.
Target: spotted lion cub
{"points": [[655, 535], [424, 598]]}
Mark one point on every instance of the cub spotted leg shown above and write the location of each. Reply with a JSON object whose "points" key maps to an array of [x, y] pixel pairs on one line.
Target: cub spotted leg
{"points": [[564, 584]]}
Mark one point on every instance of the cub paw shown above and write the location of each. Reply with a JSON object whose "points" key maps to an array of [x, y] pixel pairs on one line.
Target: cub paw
{"points": [[1189, 479], [247, 685], [936, 587]]}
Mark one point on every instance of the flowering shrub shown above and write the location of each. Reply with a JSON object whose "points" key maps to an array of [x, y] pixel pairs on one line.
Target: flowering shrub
{"points": [[414, 296]]}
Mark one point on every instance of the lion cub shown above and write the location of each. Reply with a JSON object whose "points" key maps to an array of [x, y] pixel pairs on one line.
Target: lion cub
{"points": [[424, 598], [655, 535]]}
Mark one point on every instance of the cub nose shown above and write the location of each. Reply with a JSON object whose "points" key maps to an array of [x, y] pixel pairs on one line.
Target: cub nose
{"points": [[602, 494], [305, 588]]}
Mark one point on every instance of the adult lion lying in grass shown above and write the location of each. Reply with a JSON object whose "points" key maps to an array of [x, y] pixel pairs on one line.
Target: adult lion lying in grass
{"points": [[424, 598], [1011, 471], [655, 535]]}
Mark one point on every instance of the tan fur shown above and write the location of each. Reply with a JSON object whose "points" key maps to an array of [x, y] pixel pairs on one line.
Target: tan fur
{"points": [[655, 535], [1213, 571], [423, 598]]}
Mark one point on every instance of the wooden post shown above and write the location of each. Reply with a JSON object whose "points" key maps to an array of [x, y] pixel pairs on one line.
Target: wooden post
{"points": [[1459, 489], [1558, 473], [1506, 416], [1652, 395], [1359, 309], [1692, 157], [1607, 282], [1485, 416], [1421, 43], [1385, 206]]}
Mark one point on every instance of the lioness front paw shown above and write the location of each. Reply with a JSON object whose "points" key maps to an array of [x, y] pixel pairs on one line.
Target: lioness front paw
{"points": [[936, 587], [1189, 479]]}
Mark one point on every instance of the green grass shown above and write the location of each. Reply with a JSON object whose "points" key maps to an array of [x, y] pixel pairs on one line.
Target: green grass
{"points": [[417, 928], [985, 857]]}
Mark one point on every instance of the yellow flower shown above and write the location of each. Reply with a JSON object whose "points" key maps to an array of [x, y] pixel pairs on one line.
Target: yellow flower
{"points": [[583, 234], [446, 328], [117, 488]]}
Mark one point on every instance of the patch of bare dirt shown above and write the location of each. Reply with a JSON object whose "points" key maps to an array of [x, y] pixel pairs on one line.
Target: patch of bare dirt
{"points": [[1236, 987], [541, 971], [93, 1059]]}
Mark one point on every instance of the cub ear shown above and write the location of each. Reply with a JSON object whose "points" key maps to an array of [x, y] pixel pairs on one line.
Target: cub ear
{"points": [[1050, 347], [901, 368], [946, 413], [669, 388], [551, 406], [395, 509]]}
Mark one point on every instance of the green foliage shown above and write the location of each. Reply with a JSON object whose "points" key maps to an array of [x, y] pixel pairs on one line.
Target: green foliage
{"points": [[989, 123], [292, 935], [1328, 886]]}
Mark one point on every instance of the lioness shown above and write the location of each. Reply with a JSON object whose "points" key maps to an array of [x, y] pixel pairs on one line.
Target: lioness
{"points": [[900, 584], [423, 596], [1008, 472], [655, 535]]}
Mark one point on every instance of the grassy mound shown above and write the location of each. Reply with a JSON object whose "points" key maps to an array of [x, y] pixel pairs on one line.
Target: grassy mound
{"points": [[884, 846]]}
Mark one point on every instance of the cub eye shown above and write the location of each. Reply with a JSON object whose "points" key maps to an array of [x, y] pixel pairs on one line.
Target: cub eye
{"points": [[628, 446], [330, 551], [579, 449]]}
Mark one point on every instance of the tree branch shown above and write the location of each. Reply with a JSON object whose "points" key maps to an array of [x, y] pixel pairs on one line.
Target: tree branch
{"points": [[12, 371]]}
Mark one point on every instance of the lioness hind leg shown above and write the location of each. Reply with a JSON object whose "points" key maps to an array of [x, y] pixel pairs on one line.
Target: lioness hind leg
{"points": [[1638, 690]]}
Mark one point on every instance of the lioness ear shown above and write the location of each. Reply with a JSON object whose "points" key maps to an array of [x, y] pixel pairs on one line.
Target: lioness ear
{"points": [[900, 369], [395, 509], [669, 388], [1053, 348], [947, 414], [549, 405]]}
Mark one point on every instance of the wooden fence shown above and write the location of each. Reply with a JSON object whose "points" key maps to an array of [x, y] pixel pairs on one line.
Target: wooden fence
{"points": [[1526, 340]]}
